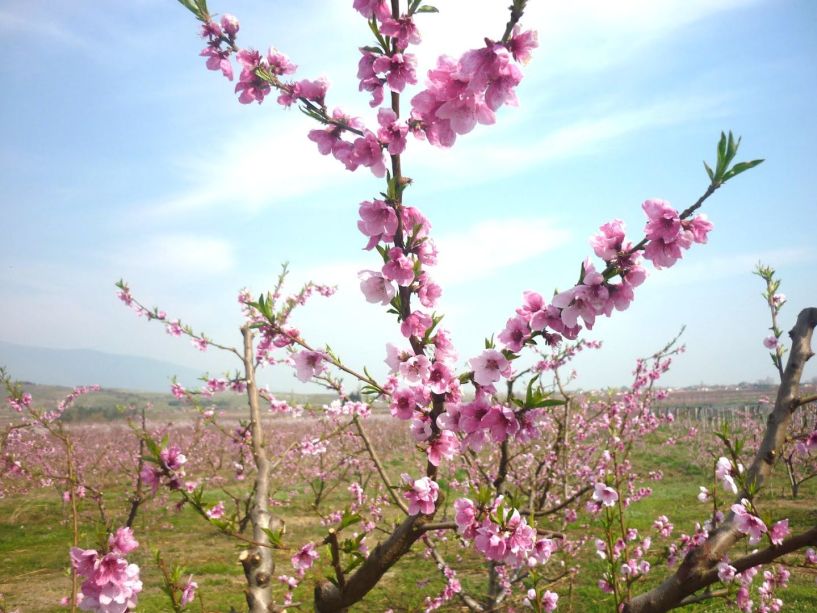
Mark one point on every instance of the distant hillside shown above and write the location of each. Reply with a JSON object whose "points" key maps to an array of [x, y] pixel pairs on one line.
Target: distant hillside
{"points": [[70, 367]]}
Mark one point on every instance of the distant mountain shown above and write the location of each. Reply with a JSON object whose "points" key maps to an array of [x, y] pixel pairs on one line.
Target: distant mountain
{"points": [[71, 367]]}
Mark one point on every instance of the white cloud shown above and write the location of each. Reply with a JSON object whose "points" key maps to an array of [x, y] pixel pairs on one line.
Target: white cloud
{"points": [[491, 245], [479, 159], [42, 26], [737, 264], [264, 163], [179, 254]]}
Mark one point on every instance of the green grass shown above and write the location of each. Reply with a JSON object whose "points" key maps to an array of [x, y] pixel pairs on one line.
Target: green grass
{"points": [[35, 537]]}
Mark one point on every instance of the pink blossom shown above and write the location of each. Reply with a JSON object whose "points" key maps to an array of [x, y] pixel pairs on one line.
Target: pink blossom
{"points": [[391, 133], [308, 364], [399, 69], [122, 541], [663, 221], [230, 25], [444, 348], [369, 81], [188, 592], [723, 473], [403, 403], [575, 303], [490, 542], [278, 63], [252, 88], [549, 601], [373, 8], [779, 531], [743, 599], [218, 59], [428, 292], [440, 378], [394, 356], [420, 427], [663, 525], [416, 369], [522, 44], [609, 241], [377, 220], [463, 114], [500, 421], [726, 572], [399, 268], [604, 494], [174, 328], [541, 552], [216, 512], [663, 253], [150, 476], [368, 152], [305, 557], [84, 560], [699, 226], [811, 556], [172, 457], [421, 494], [749, 524], [402, 30], [375, 287], [489, 367], [770, 342], [515, 334], [465, 517], [416, 324], [444, 446]]}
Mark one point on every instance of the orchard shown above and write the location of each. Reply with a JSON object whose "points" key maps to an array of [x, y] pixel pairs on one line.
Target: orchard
{"points": [[461, 482]]}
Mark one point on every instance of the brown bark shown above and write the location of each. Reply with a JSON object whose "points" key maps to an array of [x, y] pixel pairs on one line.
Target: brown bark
{"points": [[259, 566], [330, 598], [697, 569]]}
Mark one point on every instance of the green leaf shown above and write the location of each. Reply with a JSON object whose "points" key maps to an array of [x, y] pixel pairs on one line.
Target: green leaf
{"points": [[275, 537], [427, 9], [348, 519], [548, 402], [721, 166], [709, 172], [739, 168]]}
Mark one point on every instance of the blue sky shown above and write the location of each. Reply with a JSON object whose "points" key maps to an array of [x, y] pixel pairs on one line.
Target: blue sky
{"points": [[122, 156]]}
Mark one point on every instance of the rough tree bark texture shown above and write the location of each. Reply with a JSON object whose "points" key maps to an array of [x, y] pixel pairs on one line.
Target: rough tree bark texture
{"points": [[331, 599], [697, 570], [257, 561]]}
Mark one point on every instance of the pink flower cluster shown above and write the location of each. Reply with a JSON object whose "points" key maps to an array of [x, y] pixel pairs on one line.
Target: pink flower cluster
{"points": [[461, 93], [216, 34], [304, 558], [669, 234], [421, 494], [595, 295], [502, 535], [748, 523], [169, 469], [111, 584], [480, 420]]}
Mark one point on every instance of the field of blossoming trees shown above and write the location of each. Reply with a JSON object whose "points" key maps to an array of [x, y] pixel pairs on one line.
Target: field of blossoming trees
{"points": [[470, 483]]}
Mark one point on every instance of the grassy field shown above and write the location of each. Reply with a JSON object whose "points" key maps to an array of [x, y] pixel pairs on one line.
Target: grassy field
{"points": [[34, 539]]}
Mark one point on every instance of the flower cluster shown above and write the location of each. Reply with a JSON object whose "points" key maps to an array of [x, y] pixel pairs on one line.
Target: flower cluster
{"points": [[502, 534], [461, 93], [111, 584], [169, 468], [421, 494]]}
